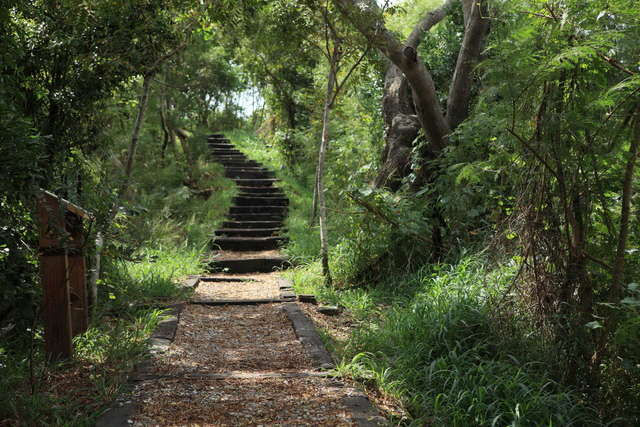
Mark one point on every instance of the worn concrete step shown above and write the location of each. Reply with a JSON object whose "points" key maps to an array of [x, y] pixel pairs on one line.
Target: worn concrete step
{"points": [[265, 264], [225, 152], [258, 209], [261, 190], [247, 174], [248, 232], [220, 146], [249, 169], [256, 217], [260, 199], [229, 158], [278, 195], [239, 163], [245, 244], [216, 136], [252, 224], [266, 182]]}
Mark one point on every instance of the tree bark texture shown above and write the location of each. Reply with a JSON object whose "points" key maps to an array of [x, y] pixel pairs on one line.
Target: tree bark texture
{"points": [[402, 127]]}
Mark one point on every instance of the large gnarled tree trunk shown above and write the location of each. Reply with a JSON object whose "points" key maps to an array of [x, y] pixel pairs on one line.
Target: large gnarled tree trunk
{"points": [[410, 100]]}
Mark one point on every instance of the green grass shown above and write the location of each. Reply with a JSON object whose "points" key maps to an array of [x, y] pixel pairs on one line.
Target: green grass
{"points": [[430, 341], [75, 392], [150, 279]]}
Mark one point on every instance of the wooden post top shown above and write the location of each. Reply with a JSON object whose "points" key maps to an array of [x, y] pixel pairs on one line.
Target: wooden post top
{"points": [[60, 222], [49, 197]]}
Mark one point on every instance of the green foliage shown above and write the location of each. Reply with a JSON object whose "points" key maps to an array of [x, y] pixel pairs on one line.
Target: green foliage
{"points": [[151, 278], [105, 354], [431, 340]]}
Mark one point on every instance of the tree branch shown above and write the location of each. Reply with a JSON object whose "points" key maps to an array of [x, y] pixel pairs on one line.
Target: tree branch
{"points": [[614, 62], [366, 16], [534, 152], [460, 91], [430, 19]]}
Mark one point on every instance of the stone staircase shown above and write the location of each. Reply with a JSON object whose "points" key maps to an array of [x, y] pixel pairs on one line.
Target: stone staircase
{"points": [[248, 241]]}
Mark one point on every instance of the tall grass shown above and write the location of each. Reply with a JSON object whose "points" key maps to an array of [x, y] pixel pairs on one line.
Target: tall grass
{"points": [[430, 341]]}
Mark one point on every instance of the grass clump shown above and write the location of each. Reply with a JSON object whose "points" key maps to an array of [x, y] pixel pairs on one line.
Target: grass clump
{"points": [[151, 278]]}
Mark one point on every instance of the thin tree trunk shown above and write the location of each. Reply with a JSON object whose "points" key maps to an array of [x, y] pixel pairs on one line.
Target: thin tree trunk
{"points": [[95, 274], [322, 155], [166, 132], [314, 202], [133, 145], [124, 187], [625, 214]]}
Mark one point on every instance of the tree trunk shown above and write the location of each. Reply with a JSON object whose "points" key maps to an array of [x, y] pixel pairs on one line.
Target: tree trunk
{"points": [[476, 29], [124, 187], [366, 16], [322, 155], [133, 145], [401, 127], [166, 131], [617, 290]]}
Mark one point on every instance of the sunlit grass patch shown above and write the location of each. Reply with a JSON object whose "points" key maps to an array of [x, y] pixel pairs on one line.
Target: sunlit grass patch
{"points": [[153, 278]]}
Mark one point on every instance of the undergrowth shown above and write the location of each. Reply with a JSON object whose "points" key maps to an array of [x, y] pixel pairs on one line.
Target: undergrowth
{"points": [[159, 237], [74, 392], [431, 341]]}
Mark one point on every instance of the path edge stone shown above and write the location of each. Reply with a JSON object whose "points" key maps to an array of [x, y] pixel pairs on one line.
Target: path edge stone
{"points": [[308, 336], [123, 408], [364, 413]]}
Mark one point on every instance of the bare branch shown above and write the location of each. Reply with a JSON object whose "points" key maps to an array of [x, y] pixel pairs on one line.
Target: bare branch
{"points": [[534, 152], [428, 21], [614, 62]]}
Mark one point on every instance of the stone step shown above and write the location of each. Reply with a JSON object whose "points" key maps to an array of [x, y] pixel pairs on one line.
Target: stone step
{"points": [[252, 224], [267, 182], [248, 169], [225, 152], [220, 146], [261, 190], [248, 232], [278, 194], [256, 217], [239, 163], [216, 136], [246, 244], [247, 174], [267, 199], [282, 210], [232, 158], [265, 264]]}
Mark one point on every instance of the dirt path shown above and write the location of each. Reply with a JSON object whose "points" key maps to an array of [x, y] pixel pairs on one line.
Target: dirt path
{"points": [[241, 365]]}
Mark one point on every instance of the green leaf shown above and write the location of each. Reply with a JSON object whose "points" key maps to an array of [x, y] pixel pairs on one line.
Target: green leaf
{"points": [[594, 325]]}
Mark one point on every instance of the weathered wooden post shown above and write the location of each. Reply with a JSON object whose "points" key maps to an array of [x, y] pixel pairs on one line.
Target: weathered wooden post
{"points": [[62, 273]]}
